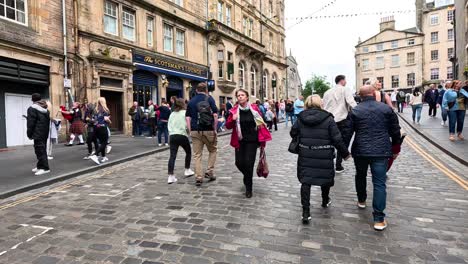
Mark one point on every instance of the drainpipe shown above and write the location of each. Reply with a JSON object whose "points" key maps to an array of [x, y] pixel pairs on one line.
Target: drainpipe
{"points": [[207, 38], [65, 57]]}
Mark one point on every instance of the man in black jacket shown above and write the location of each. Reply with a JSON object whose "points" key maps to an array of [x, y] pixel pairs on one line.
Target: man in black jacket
{"points": [[431, 97], [374, 123], [38, 124]]}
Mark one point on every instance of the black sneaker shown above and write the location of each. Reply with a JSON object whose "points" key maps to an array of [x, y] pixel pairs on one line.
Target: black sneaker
{"points": [[81, 143], [211, 177], [326, 203], [248, 194], [198, 182], [306, 216]]}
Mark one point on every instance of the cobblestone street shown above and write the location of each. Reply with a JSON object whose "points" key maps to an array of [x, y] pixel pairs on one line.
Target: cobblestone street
{"points": [[128, 214]]}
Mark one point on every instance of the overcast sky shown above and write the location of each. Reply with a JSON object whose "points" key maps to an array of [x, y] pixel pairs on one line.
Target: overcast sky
{"points": [[326, 46]]}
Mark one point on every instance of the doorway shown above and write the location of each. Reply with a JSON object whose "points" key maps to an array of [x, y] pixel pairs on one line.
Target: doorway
{"points": [[16, 110], [115, 105]]}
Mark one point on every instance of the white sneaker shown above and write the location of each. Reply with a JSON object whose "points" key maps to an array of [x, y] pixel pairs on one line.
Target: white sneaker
{"points": [[188, 172], [171, 179], [108, 149], [95, 159], [41, 171], [50, 157], [93, 152], [86, 157], [149, 137], [104, 159], [34, 170], [159, 145], [166, 144]]}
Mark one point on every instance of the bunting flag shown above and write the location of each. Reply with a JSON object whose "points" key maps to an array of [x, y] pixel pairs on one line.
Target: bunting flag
{"points": [[350, 15], [315, 12]]}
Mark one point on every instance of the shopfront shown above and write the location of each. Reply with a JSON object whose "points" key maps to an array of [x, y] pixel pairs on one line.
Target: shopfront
{"points": [[159, 77]]}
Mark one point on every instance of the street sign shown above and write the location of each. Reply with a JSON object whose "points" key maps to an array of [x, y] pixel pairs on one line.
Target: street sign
{"points": [[67, 83]]}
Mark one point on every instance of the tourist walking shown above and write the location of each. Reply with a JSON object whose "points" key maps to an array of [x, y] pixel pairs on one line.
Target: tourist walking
{"points": [[430, 97], [177, 127], [401, 98], [55, 126], [101, 115], [455, 102], [298, 107], [202, 121], [164, 113], [339, 101], [136, 115], [373, 124], [317, 135], [416, 102], [91, 138], [379, 95], [393, 97], [282, 107], [152, 119], [443, 111], [77, 125], [38, 124], [248, 134], [289, 109], [269, 116]]}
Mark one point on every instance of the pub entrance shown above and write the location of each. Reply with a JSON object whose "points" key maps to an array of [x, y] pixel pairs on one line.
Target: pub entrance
{"points": [[115, 105]]}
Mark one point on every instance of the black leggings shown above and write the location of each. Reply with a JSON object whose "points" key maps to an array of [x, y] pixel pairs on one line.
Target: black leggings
{"points": [[92, 139], [103, 136], [305, 194], [245, 162], [174, 143]]}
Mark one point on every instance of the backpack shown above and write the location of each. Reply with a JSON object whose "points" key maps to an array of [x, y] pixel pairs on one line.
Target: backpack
{"points": [[401, 94], [289, 108], [205, 115]]}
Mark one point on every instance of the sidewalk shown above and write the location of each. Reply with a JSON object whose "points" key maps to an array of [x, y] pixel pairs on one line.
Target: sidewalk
{"points": [[17, 162], [431, 129]]}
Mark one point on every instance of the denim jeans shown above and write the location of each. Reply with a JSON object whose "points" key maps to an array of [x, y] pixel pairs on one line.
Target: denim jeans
{"points": [[136, 127], [417, 112], [162, 130], [444, 114], [379, 177], [401, 105], [290, 116], [456, 118]]}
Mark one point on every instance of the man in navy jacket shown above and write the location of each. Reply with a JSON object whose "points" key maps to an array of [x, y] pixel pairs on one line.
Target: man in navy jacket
{"points": [[430, 97]]}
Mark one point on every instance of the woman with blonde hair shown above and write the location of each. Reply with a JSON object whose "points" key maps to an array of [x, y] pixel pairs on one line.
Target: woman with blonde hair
{"points": [[55, 125], [317, 135], [102, 117], [380, 96]]}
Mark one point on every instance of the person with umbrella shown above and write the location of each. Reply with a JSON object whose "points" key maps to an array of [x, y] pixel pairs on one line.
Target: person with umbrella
{"points": [[373, 124]]}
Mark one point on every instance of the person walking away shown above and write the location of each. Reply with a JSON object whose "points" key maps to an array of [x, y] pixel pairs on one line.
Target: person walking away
{"points": [[380, 96], [261, 107], [136, 115], [373, 124], [318, 136], [248, 134], [298, 107], [164, 113], [443, 111], [177, 127], [289, 108], [76, 128], [91, 138], [101, 115], [393, 97], [431, 96], [269, 118], [277, 109], [151, 119], [282, 107], [38, 124], [401, 97], [416, 102], [202, 121], [454, 101], [275, 106], [221, 118], [339, 101], [55, 126]]}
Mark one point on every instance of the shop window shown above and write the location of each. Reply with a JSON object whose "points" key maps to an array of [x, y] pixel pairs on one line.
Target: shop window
{"points": [[109, 82], [142, 94], [14, 10]]}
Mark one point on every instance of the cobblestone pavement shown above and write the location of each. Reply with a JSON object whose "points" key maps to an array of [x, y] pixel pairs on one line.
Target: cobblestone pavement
{"points": [[128, 214]]}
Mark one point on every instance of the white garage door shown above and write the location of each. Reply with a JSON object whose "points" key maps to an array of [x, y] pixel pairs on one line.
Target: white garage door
{"points": [[16, 105]]}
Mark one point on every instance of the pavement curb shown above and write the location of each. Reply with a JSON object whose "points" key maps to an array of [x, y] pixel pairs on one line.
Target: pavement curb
{"points": [[76, 173], [433, 142]]}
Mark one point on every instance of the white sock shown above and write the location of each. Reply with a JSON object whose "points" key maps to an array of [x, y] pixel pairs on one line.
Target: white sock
{"points": [[72, 138], [81, 138]]}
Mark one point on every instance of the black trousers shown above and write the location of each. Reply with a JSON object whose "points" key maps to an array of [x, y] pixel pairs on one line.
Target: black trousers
{"points": [[245, 162], [92, 139], [176, 141], [103, 136], [305, 194], [345, 129], [152, 126], [400, 107], [275, 122], [432, 109], [41, 154], [269, 124]]}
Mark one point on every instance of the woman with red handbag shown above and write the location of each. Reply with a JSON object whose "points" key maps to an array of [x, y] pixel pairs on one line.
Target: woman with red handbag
{"points": [[249, 132]]}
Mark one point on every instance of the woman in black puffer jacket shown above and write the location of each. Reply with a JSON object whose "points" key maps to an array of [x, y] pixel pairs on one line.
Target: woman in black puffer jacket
{"points": [[318, 137]]}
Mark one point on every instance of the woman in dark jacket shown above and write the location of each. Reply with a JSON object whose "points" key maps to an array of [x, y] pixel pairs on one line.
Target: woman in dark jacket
{"points": [[318, 136]]}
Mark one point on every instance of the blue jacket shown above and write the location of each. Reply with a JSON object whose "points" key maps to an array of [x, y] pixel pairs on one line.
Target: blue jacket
{"points": [[374, 123], [451, 96], [441, 95]]}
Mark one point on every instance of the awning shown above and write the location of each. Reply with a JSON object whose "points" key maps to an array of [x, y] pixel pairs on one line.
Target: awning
{"points": [[141, 66]]}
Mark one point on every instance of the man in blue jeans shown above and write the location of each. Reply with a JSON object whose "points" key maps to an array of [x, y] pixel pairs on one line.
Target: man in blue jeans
{"points": [[373, 124]]}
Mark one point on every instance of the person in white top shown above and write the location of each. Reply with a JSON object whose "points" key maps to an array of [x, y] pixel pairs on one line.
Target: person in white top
{"points": [[393, 96], [339, 101], [416, 103]]}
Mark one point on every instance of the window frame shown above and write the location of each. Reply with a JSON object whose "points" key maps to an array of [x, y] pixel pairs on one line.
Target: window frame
{"points": [[220, 70], [408, 62], [365, 66], [377, 65], [150, 31], [433, 70], [450, 73], [179, 2], [434, 55], [265, 83], [220, 11], [394, 44], [450, 52], [393, 61], [253, 80], [177, 31], [381, 80], [365, 49], [450, 15], [130, 12], [450, 34], [228, 15], [379, 47], [241, 77], [411, 42], [16, 10], [166, 36], [436, 39], [411, 81], [395, 81], [116, 17], [434, 19]]}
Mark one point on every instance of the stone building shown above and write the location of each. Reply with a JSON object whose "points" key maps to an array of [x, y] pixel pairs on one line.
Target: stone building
{"points": [[461, 40], [137, 50], [246, 48], [293, 83], [31, 61], [394, 57]]}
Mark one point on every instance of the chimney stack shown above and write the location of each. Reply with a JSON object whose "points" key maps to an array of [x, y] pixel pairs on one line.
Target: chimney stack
{"points": [[387, 23]]}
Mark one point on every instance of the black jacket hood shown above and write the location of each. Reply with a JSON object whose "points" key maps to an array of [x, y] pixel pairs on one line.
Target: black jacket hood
{"points": [[313, 117]]}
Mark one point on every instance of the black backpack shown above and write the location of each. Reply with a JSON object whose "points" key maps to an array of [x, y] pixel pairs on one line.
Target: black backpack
{"points": [[205, 115], [289, 108]]}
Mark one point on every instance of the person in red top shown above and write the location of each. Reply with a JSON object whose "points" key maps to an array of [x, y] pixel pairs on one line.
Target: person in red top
{"points": [[249, 132]]}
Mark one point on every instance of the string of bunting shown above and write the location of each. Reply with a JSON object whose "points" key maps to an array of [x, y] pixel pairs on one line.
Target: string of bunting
{"points": [[315, 12], [352, 15]]}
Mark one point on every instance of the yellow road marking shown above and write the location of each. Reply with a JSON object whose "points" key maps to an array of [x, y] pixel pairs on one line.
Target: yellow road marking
{"points": [[462, 182]]}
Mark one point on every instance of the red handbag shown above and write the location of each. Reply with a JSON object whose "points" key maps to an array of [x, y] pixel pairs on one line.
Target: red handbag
{"points": [[262, 168]]}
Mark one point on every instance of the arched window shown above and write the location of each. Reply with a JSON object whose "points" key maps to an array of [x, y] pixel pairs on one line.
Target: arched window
{"points": [[253, 81], [273, 85], [265, 84], [241, 75]]}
